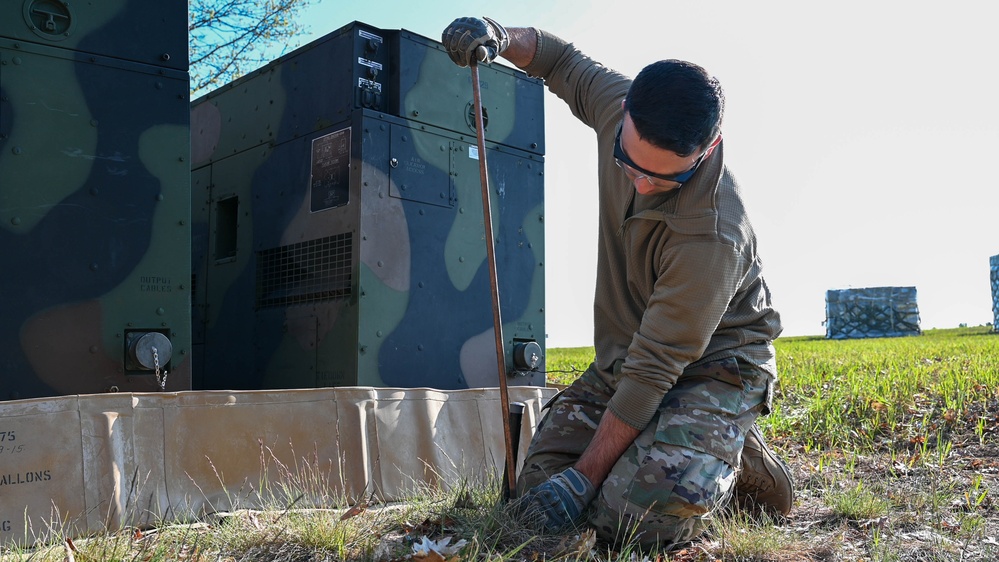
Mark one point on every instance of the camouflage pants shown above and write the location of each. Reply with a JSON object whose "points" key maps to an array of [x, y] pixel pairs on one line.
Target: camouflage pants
{"points": [[679, 470]]}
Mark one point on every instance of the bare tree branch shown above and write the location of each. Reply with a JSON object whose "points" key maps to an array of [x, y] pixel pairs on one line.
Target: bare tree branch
{"points": [[229, 38]]}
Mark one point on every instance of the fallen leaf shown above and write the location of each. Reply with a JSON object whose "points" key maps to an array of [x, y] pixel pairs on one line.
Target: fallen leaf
{"points": [[580, 545], [354, 511], [255, 521], [427, 549], [429, 556], [879, 523]]}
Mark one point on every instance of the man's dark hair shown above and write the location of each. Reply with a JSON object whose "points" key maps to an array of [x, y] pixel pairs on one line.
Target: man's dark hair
{"points": [[676, 105]]}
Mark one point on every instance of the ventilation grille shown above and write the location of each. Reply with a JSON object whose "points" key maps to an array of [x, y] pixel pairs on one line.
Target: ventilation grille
{"points": [[317, 270]]}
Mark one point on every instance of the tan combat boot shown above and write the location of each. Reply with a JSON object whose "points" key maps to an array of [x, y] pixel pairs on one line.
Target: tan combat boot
{"points": [[765, 481]]}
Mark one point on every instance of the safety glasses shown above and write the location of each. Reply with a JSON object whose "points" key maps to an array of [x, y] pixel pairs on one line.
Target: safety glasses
{"points": [[636, 172]]}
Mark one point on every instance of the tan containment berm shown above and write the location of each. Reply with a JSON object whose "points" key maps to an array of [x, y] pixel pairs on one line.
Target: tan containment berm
{"points": [[94, 463]]}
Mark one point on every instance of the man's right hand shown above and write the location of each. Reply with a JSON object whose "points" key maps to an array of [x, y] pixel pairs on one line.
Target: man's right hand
{"points": [[558, 503], [468, 39]]}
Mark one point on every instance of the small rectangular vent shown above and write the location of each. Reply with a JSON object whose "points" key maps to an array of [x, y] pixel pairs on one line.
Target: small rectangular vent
{"points": [[317, 270]]}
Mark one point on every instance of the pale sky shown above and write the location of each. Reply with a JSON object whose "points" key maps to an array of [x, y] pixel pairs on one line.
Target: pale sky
{"points": [[859, 131]]}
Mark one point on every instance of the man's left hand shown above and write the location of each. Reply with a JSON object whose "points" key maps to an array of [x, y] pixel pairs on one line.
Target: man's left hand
{"points": [[468, 39], [559, 502]]}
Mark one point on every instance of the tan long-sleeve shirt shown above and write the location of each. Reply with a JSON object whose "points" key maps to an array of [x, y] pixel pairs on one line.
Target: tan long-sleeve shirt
{"points": [[679, 279]]}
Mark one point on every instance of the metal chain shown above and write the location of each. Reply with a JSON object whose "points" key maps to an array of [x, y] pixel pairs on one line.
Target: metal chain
{"points": [[156, 363]]}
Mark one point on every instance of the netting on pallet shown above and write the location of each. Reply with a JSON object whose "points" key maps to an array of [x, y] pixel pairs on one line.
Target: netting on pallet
{"points": [[994, 266], [871, 312]]}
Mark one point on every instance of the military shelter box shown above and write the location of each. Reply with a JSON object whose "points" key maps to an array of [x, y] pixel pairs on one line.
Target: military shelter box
{"points": [[338, 230], [94, 198]]}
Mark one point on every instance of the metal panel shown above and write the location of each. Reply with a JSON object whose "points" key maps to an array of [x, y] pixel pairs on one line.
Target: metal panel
{"points": [[153, 33], [429, 88], [431, 324], [94, 223], [287, 264]]}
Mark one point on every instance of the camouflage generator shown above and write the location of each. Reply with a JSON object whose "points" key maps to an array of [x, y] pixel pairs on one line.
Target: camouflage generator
{"points": [[94, 198], [338, 234]]}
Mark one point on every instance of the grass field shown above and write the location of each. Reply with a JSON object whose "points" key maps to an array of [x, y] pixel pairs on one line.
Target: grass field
{"points": [[894, 445]]}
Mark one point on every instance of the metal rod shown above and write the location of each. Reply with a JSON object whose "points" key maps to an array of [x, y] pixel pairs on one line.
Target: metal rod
{"points": [[480, 133]]}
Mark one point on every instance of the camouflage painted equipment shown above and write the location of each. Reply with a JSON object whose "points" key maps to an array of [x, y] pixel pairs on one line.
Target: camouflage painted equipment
{"points": [[338, 230], [94, 197]]}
